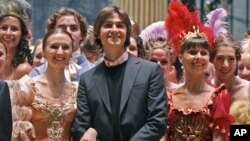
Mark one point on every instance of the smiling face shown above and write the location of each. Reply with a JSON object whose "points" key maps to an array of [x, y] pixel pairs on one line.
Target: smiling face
{"points": [[58, 50], [195, 59], [209, 73], [38, 56], [163, 58], [244, 66], [113, 32], [10, 31], [224, 63]]}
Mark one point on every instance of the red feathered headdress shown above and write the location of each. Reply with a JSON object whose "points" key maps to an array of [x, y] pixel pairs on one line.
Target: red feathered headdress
{"points": [[182, 24]]}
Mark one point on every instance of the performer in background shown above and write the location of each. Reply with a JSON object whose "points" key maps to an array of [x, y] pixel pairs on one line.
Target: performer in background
{"points": [[14, 33], [74, 23]]}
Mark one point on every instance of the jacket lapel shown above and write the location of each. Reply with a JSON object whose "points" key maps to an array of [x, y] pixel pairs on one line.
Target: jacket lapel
{"points": [[101, 84], [132, 68]]}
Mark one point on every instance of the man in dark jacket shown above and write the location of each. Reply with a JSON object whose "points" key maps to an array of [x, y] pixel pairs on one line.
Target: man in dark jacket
{"points": [[124, 97], [5, 112]]}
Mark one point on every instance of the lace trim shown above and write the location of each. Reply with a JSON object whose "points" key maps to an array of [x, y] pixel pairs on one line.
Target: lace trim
{"points": [[187, 111]]}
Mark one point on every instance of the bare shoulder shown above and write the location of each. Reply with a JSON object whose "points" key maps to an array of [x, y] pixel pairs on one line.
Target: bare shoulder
{"points": [[242, 84], [241, 90], [22, 70], [184, 98]]}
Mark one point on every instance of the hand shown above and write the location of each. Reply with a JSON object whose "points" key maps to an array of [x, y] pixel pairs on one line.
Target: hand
{"points": [[163, 138], [23, 131], [21, 137], [89, 135]]}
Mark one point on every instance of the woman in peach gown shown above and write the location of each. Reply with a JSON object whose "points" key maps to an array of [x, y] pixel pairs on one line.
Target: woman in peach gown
{"points": [[44, 106]]}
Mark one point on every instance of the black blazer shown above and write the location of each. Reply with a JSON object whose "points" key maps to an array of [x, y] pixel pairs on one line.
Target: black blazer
{"points": [[5, 112], [142, 107]]}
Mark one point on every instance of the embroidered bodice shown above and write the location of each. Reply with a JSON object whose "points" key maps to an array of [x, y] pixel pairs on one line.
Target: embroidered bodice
{"points": [[51, 118], [196, 124], [189, 124]]}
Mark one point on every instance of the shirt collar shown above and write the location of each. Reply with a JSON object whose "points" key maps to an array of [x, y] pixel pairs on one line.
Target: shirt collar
{"points": [[120, 60], [76, 55]]}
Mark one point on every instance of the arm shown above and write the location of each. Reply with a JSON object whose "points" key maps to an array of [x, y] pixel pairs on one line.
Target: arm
{"points": [[38, 70], [221, 118], [82, 119], [155, 126], [22, 70], [23, 97]]}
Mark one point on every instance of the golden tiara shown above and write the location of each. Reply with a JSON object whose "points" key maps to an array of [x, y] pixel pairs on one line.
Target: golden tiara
{"points": [[191, 34]]}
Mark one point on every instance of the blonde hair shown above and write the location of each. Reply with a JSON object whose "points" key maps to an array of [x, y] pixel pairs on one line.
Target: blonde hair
{"points": [[240, 109], [159, 43]]}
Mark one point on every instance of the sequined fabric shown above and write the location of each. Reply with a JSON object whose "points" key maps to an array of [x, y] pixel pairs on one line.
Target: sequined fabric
{"points": [[54, 116], [49, 119], [199, 124], [189, 124]]}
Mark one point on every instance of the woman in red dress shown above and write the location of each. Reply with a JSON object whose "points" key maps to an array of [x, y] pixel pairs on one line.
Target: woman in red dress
{"points": [[196, 110]]}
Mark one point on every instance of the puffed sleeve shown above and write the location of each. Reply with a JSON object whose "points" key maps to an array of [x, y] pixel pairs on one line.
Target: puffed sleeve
{"points": [[221, 119], [22, 97]]}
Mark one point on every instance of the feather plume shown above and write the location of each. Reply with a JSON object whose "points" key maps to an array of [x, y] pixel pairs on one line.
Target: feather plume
{"points": [[245, 43], [180, 22], [216, 21], [154, 31]]}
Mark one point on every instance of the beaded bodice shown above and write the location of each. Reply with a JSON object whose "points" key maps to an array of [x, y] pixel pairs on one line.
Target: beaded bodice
{"points": [[52, 117]]}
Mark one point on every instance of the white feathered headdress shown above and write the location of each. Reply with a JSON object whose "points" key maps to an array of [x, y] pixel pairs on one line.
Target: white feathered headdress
{"points": [[153, 31]]}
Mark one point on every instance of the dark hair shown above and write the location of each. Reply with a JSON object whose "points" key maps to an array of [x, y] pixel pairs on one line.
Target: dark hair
{"points": [[103, 15], [4, 47], [140, 47], [56, 31], [90, 46], [135, 29], [226, 40], [63, 11], [179, 70], [15, 9], [199, 41]]}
